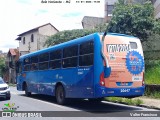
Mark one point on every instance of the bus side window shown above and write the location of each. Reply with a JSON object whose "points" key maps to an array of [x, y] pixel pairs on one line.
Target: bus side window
{"points": [[26, 64], [86, 54], [55, 59], [87, 48], [26, 61], [27, 68], [70, 56], [55, 55], [34, 63], [44, 57], [43, 61]]}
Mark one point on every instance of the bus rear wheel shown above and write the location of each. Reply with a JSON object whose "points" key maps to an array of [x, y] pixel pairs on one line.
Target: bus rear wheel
{"points": [[60, 95], [26, 91]]}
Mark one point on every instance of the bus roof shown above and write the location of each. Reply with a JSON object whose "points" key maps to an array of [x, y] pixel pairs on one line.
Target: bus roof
{"points": [[72, 42], [118, 34], [62, 45]]}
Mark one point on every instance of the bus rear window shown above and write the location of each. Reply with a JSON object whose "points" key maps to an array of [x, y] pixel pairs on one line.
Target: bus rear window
{"points": [[133, 45]]}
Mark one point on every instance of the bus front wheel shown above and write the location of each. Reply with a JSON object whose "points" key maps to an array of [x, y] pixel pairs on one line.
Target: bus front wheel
{"points": [[26, 91], [60, 95]]}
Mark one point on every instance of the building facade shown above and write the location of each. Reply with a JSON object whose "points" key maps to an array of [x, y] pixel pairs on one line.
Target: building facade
{"points": [[156, 4], [34, 39], [11, 59], [89, 22], [109, 7]]}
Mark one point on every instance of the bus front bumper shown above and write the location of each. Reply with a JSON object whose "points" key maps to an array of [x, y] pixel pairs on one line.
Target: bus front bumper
{"points": [[119, 92]]}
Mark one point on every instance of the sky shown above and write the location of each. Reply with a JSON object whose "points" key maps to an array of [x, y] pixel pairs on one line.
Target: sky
{"points": [[18, 16]]}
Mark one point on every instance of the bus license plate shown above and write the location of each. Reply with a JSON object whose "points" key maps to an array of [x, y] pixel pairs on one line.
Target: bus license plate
{"points": [[125, 90]]}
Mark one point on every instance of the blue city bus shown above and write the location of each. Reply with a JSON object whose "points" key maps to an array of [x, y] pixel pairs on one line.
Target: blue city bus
{"points": [[91, 67]]}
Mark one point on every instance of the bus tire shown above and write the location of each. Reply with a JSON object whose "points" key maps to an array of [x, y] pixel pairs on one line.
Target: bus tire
{"points": [[26, 91], [60, 95], [8, 97]]}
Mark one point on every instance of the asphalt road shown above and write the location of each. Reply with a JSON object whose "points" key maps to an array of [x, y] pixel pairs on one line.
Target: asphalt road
{"points": [[47, 103]]}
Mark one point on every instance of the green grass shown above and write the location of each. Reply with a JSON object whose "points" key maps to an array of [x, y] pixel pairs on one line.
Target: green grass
{"points": [[152, 75], [152, 94], [125, 100]]}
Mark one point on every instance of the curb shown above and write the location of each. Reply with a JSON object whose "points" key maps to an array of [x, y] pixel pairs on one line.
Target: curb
{"points": [[150, 107], [142, 105]]}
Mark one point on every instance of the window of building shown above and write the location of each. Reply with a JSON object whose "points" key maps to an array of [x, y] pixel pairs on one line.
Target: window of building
{"points": [[86, 54], [110, 10], [32, 38], [43, 66], [44, 57], [24, 41]]}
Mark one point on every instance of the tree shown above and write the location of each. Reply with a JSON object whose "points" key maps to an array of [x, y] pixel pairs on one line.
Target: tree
{"points": [[156, 29], [67, 35], [2, 65], [133, 19]]}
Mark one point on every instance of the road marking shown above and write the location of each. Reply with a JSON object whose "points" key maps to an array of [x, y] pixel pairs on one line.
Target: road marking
{"points": [[56, 105], [62, 107]]}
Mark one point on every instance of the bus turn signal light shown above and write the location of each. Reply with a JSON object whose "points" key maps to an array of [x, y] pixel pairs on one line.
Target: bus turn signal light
{"points": [[102, 82]]}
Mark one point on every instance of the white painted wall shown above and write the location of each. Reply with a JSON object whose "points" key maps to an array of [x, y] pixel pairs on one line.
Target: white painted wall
{"points": [[28, 43], [47, 30], [40, 36]]}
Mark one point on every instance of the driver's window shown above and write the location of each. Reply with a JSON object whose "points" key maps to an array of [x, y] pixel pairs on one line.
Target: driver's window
{"points": [[19, 67]]}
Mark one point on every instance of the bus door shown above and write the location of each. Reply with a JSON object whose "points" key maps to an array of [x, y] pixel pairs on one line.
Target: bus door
{"points": [[125, 57], [19, 75], [86, 68]]}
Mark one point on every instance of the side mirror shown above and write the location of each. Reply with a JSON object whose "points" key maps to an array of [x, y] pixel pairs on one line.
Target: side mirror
{"points": [[107, 72]]}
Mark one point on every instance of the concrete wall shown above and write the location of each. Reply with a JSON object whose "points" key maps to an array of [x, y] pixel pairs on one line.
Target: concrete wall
{"points": [[91, 22], [108, 16], [112, 2], [47, 30], [157, 9], [33, 45], [40, 36], [41, 41]]}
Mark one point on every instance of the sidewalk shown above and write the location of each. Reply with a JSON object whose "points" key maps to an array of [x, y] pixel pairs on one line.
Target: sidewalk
{"points": [[150, 102]]}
